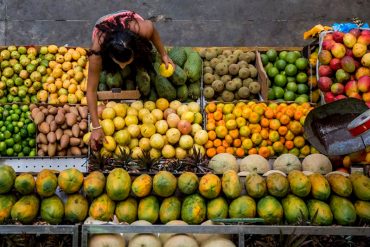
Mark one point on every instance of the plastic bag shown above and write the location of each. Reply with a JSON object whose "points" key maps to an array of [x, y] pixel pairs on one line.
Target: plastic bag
{"points": [[346, 27]]}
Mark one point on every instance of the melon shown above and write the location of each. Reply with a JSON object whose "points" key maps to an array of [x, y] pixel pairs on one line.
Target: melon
{"points": [[181, 241], [220, 163], [287, 163], [254, 163], [218, 242], [137, 223], [108, 240], [317, 163], [204, 237], [145, 240], [165, 236]]}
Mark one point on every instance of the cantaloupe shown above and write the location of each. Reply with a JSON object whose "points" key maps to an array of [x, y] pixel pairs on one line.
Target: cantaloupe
{"points": [[137, 223], [145, 240], [254, 163], [204, 237], [220, 163], [317, 163], [218, 242], [165, 236], [181, 241], [287, 163], [107, 240]]}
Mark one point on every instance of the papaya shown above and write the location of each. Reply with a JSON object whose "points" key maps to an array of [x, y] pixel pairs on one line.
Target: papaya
{"points": [[70, 180], [300, 185], [25, 209], [210, 186], [193, 210], [118, 184], [103, 77], [242, 207], [102, 208], [143, 81], [217, 208], [178, 78], [320, 212], [361, 186], [182, 93], [76, 208], [320, 187], [340, 185], [363, 210], [7, 177], [25, 183], [343, 210], [170, 209], [126, 211], [231, 185], [148, 209], [164, 88], [193, 66], [188, 183], [114, 80], [270, 209], [142, 185], [153, 96], [52, 210], [6, 203], [46, 183], [178, 56], [164, 183], [194, 91], [94, 184], [295, 210], [255, 185], [277, 185]]}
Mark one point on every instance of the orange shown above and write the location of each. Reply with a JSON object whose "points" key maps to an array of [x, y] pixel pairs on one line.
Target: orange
{"points": [[289, 144], [211, 107], [278, 147], [299, 141], [246, 112], [228, 108], [252, 151], [228, 139], [264, 122], [238, 110], [237, 143], [269, 113], [229, 116], [217, 115], [298, 115], [259, 109], [254, 118], [295, 127], [274, 124], [247, 144], [289, 112], [274, 136], [272, 151], [221, 123], [240, 121], [305, 150], [255, 128], [230, 150], [210, 116], [240, 152], [289, 136], [217, 143], [234, 133], [282, 139], [209, 144], [263, 143], [225, 144], [231, 124], [347, 161], [220, 149], [283, 130], [220, 106], [211, 135], [256, 138], [264, 152], [278, 115], [221, 131], [211, 152], [264, 133], [162, 104], [284, 119], [245, 131], [269, 143]]}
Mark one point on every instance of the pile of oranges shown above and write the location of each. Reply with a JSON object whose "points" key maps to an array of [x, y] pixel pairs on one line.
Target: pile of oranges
{"points": [[257, 128]]}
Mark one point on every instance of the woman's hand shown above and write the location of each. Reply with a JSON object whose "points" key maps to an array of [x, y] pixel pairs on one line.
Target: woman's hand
{"points": [[96, 139], [167, 60]]}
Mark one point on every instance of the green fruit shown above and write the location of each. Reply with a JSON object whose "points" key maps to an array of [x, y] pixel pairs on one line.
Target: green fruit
{"points": [[272, 72], [291, 70], [280, 64], [292, 86], [302, 77], [291, 57], [282, 54], [268, 65], [280, 80], [289, 95], [290, 79], [271, 94], [302, 89], [31, 129], [301, 99], [264, 59], [272, 55], [301, 63], [279, 92]]}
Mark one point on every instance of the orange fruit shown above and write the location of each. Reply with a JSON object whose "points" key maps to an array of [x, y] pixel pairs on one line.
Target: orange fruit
{"points": [[225, 144], [212, 135], [230, 150], [259, 108], [237, 143], [211, 107], [284, 119], [211, 152], [274, 124], [264, 133], [283, 130], [298, 115], [252, 151], [255, 128], [254, 118], [278, 147], [221, 131], [272, 151], [246, 112], [247, 144], [264, 152], [209, 144], [240, 121], [299, 141], [234, 133], [231, 124], [264, 122], [289, 112], [289, 136], [210, 126], [217, 115], [274, 136], [162, 104], [263, 143], [228, 139], [210, 116], [245, 131], [217, 143], [289, 144], [240, 152], [305, 150], [282, 139], [256, 138], [295, 127], [220, 149], [220, 123], [269, 113]]}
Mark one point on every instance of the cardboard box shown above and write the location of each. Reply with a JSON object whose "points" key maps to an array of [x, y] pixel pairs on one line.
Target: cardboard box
{"points": [[119, 94]]}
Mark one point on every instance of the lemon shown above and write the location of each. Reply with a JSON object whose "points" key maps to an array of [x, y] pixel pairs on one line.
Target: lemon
{"points": [[109, 144], [107, 126], [166, 72]]}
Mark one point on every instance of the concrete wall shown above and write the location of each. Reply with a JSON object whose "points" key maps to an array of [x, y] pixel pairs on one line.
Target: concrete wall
{"points": [[180, 22]]}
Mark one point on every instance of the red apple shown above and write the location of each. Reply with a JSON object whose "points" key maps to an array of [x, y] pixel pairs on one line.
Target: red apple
{"points": [[325, 83], [329, 97], [338, 36], [337, 88], [325, 70], [335, 64], [351, 87], [339, 97], [349, 52], [365, 32], [328, 44], [364, 39], [364, 84], [325, 57], [328, 36], [356, 32]]}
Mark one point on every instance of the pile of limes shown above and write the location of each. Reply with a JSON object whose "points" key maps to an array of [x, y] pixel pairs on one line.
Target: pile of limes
{"points": [[287, 73], [17, 131]]}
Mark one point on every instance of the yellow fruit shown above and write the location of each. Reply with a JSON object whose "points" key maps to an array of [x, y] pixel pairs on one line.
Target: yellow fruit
{"points": [[62, 50], [188, 116], [42, 96], [158, 114], [111, 104], [132, 112], [122, 137], [186, 142], [136, 153], [105, 153], [166, 72], [52, 49], [86, 138], [120, 109], [133, 143], [137, 105], [198, 118], [150, 105], [162, 104], [131, 120], [134, 130], [173, 135], [161, 127], [181, 109], [108, 113], [143, 112], [147, 130], [144, 144], [109, 143], [168, 152], [107, 126], [181, 153], [201, 137], [155, 153], [149, 118], [231, 124], [156, 141], [194, 107], [121, 149], [119, 123], [175, 104]]}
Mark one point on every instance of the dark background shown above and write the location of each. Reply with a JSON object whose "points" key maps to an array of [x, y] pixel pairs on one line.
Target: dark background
{"points": [[180, 22]]}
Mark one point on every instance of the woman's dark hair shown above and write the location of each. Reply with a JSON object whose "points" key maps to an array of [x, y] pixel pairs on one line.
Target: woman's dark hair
{"points": [[120, 43]]}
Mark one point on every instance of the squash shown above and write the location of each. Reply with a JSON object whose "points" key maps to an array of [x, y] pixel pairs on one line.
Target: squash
{"points": [[107, 240], [220, 163], [254, 163], [318, 163], [287, 163], [181, 241]]}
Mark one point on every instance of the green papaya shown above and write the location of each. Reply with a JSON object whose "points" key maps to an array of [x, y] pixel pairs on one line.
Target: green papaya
{"points": [[153, 96], [295, 210], [194, 91], [26, 209], [102, 87], [103, 77], [178, 55], [52, 210], [164, 88], [178, 77], [114, 80], [143, 81], [6, 203], [320, 212], [193, 66], [343, 210], [182, 93]]}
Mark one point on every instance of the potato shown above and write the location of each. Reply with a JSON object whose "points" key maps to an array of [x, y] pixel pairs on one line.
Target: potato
{"points": [[41, 138], [75, 130], [64, 126], [40, 152], [66, 107], [62, 152], [61, 111], [78, 118], [83, 124], [49, 118], [34, 112], [59, 148], [64, 141], [39, 117], [74, 110], [45, 111], [51, 137], [83, 111], [60, 118], [68, 132], [53, 110], [44, 127], [44, 148], [84, 150], [73, 141], [75, 151], [33, 106], [53, 126], [52, 148], [82, 144], [69, 152], [58, 134], [71, 119]]}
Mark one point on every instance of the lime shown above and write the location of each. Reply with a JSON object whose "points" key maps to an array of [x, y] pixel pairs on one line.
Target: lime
{"points": [[280, 80], [280, 64], [264, 59], [301, 63], [9, 142], [17, 138], [20, 125], [301, 99], [2, 146], [23, 133], [290, 79], [32, 153], [291, 57], [31, 128], [292, 86], [10, 127], [269, 65], [272, 55], [289, 95], [15, 117], [26, 150], [282, 54], [25, 108], [271, 94], [290, 70], [17, 148], [301, 77], [10, 152], [295, 151], [2, 137], [16, 128], [302, 89], [32, 143], [279, 92], [7, 133], [272, 72], [20, 154]]}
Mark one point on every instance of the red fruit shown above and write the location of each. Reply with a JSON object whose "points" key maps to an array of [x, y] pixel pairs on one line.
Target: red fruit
{"points": [[368, 104], [356, 32], [329, 36], [338, 36], [365, 32], [339, 97], [329, 97], [337, 89], [348, 64], [325, 57], [338, 50], [335, 64], [364, 39], [357, 64], [351, 87], [184, 127], [325, 83], [328, 44], [355, 95], [342, 169], [364, 84], [325, 70], [349, 52]]}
